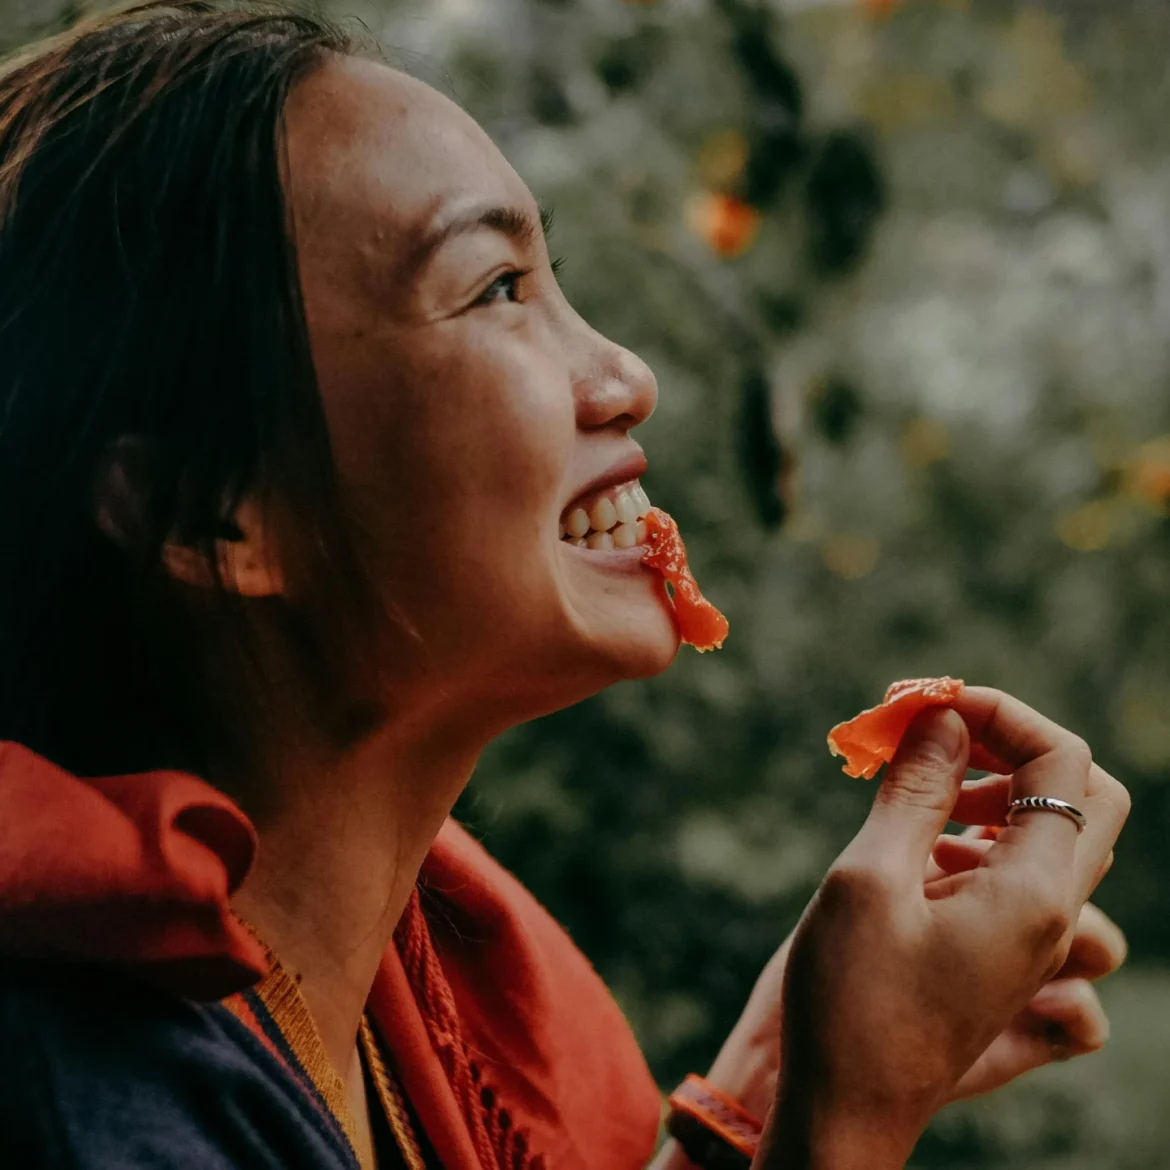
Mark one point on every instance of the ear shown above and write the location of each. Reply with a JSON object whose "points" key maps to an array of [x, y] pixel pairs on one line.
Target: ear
{"points": [[246, 551], [122, 490], [248, 561]]}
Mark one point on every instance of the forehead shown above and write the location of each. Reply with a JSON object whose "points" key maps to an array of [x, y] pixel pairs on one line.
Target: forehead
{"points": [[375, 157]]}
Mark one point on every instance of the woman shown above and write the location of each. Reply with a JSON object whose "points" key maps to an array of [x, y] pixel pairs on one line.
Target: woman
{"points": [[294, 430]]}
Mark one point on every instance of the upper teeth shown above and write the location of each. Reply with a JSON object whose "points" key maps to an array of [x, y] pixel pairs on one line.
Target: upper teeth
{"points": [[577, 523], [617, 517], [626, 508]]}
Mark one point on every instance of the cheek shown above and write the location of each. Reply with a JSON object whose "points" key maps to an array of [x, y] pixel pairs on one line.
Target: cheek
{"points": [[487, 442], [453, 463]]}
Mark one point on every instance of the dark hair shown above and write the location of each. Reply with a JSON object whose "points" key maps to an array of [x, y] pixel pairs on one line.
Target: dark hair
{"points": [[149, 309]]}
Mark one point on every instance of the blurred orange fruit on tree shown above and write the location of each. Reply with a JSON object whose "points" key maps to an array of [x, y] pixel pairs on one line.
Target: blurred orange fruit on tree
{"points": [[1147, 472], [881, 8], [725, 223]]}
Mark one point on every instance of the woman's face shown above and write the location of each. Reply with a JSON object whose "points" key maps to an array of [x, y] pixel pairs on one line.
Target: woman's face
{"points": [[472, 412]]}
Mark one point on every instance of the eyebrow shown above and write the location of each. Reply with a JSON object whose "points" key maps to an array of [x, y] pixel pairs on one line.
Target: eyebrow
{"points": [[518, 225]]}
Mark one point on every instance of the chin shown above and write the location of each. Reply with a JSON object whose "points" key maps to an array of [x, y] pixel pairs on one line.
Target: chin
{"points": [[642, 646], [626, 635], [566, 670], [648, 653], [572, 646]]}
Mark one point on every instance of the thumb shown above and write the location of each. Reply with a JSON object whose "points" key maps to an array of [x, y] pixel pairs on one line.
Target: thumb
{"points": [[919, 790]]}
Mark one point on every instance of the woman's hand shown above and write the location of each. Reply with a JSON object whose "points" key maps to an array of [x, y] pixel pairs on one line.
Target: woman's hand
{"points": [[896, 985], [1064, 1019]]}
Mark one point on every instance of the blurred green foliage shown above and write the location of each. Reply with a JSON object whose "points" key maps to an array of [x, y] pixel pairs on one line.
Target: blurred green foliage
{"points": [[910, 425]]}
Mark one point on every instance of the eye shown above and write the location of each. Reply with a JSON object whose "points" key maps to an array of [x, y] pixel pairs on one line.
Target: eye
{"points": [[503, 288]]}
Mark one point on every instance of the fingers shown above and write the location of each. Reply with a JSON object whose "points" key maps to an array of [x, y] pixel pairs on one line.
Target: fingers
{"points": [[1072, 1016], [922, 789], [983, 802], [987, 761], [1005, 728], [1045, 759], [1063, 1020], [1062, 773], [1011, 1054], [1098, 947], [1106, 807], [958, 854], [915, 798]]}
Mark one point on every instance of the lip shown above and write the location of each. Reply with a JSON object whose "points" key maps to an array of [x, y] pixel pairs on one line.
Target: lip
{"points": [[627, 560], [633, 466]]}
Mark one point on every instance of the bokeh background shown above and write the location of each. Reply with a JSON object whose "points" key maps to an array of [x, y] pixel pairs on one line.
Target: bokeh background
{"points": [[903, 271]]}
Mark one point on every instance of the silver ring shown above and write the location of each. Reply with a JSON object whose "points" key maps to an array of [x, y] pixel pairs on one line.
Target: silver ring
{"points": [[1047, 804]]}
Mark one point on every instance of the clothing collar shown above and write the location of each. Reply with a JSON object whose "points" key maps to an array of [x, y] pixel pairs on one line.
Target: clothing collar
{"points": [[137, 872], [132, 871]]}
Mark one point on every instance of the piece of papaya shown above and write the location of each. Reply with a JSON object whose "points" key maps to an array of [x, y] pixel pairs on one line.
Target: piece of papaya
{"points": [[700, 624], [869, 740]]}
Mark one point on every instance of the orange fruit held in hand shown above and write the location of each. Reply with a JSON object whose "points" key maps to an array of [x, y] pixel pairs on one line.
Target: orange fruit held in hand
{"points": [[869, 740]]}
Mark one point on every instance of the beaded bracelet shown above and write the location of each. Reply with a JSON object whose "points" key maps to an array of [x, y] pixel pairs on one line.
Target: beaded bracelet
{"points": [[714, 1130]]}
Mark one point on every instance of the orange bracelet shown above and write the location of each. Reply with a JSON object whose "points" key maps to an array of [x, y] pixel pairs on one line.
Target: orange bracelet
{"points": [[714, 1130]]}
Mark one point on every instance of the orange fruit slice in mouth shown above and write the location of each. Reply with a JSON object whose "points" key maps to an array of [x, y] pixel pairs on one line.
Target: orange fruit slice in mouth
{"points": [[869, 740], [700, 624]]}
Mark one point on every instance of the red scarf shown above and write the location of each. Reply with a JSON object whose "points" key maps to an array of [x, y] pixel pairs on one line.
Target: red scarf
{"points": [[508, 1045]]}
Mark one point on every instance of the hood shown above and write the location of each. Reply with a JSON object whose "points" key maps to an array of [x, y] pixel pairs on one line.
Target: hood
{"points": [[129, 871]]}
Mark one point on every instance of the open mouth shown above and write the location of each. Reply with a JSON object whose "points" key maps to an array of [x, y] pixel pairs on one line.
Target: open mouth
{"points": [[608, 519]]}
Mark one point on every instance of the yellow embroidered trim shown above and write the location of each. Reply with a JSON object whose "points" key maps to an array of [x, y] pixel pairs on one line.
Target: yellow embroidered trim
{"points": [[391, 1099], [281, 996]]}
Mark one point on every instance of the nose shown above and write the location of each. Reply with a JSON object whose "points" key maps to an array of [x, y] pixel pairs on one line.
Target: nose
{"points": [[616, 389]]}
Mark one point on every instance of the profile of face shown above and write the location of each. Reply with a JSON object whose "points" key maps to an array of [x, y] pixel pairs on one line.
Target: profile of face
{"points": [[476, 420]]}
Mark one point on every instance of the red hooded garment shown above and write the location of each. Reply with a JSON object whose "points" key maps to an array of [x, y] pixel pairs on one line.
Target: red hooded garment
{"points": [[131, 876]]}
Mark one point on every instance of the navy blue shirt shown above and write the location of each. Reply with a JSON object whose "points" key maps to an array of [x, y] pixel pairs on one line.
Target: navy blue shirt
{"points": [[99, 1071]]}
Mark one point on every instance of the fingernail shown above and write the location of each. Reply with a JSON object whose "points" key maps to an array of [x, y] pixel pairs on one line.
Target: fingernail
{"points": [[1059, 1042], [938, 733]]}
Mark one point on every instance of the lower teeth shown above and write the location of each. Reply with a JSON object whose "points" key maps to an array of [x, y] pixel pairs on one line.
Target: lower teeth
{"points": [[620, 536], [625, 536]]}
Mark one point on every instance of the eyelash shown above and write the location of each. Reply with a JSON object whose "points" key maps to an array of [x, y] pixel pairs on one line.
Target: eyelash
{"points": [[508, 280]]}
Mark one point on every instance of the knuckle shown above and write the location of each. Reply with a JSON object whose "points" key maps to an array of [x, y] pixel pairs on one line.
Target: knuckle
{"points": [[854, 885], [1079, 754], [1048, 923], [1058, 956], [1117, 796], [1055, 920], [1109, 798]]}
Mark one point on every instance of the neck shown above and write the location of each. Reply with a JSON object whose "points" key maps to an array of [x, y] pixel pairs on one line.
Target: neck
{"points": [[341, 846]]}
